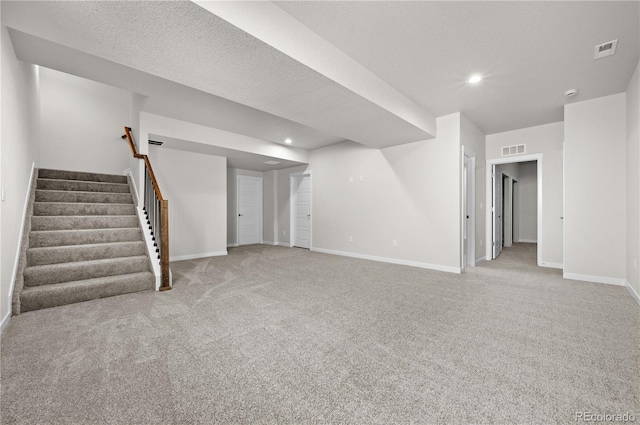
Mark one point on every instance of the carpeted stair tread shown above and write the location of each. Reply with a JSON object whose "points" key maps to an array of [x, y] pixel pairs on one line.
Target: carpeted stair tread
{"points": [[86, 197], [82, 270], [78, 208], [84, 290], [73, 253], [79, 175], [62, 222], [82, 237], [81, 186]]}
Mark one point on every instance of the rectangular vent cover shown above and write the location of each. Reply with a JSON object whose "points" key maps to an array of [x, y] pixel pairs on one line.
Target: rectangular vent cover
{"points": [[271, 162], [156, 143], [513, 150], [605, 49]]}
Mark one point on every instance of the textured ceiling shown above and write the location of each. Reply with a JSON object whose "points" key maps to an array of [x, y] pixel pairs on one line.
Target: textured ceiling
{"points": [[529, 52], [421, 53], [184, 43]]}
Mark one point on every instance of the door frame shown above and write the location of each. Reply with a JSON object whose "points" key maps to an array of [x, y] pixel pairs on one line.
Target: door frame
{"points": [[292, 195], [260, 204], [465, 192], [489, 199]]}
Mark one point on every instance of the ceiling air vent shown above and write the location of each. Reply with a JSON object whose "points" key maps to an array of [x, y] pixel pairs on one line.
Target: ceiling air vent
{"points": [[605, 49], [271, 162], [156, 143], [513, 150]]}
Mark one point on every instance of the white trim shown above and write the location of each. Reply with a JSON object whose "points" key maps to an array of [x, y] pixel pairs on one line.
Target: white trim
{"points": [[489, 199], [526, 241], [553, 265], [195, 256], [14, 273], [480, 260], [437, 267], [151, 250], [232, 245], [128, 173], [633, 291], [5, 321], [292, 193], [261, 213], [284, 244], [468, 152], [595, 279]]}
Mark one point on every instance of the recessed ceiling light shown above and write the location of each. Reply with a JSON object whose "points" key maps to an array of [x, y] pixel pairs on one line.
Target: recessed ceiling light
{"points": [[474, 79], [288, 141]]}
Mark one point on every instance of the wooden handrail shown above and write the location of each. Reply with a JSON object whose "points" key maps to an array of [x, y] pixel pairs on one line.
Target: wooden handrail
{"points": [[135, 153], [163, 214]]}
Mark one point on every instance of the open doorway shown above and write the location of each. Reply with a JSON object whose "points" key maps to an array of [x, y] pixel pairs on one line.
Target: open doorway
{"points": [[515, 198], [468, 208]]}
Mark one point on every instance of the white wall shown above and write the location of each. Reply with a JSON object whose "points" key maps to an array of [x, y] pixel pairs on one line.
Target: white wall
{"points": [[547, 140], [473, 138], [528, 202], [196, 187], [409, 193], [633, 181], [232, 202], [19, 137], [81, 124], [595, 189]]}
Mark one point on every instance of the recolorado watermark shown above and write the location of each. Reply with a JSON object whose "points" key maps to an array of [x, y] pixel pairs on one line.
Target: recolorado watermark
{"points": [[604, 417]]}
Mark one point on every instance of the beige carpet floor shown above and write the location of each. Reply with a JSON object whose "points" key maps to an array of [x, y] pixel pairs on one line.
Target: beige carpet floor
{"points": [[279, 335]]}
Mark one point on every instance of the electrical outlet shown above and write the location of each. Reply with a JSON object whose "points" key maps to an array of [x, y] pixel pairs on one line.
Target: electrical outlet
{"points": [[394, 243], [284, 233], [361, 179], [2, 195], [350, 238], [480, 242], [351, 179]]}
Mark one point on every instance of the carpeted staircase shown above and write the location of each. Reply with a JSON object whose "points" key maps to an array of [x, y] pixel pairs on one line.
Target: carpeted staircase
{"points": [[85, 241]]}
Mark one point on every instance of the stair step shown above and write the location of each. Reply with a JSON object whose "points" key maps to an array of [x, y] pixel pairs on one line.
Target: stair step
{"points": [[81, 186], [79, 175], [62, 222], [77, 208], [82, 270], [85, 197], [84, 290], [75, 253], [46, 238]]}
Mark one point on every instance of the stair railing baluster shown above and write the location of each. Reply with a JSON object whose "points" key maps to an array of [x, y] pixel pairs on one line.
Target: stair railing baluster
{"points": [[157, 212]]}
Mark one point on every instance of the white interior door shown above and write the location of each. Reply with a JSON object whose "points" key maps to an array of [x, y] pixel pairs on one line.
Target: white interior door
{"points": [[249, 210], [302, 216], [497, 212], [469, 240]]}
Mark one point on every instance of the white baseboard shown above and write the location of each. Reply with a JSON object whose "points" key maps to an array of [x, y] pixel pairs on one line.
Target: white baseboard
{"points": [[526, 241], [480, 260], [391, 260], [269, 243], [633, 291], [552, 265], [195, 256], [232, 245], [595, 279], [5, 321], [129, 174]]}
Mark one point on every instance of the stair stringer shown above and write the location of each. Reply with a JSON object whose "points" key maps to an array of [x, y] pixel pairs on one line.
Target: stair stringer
{"points": [[21, 261], [148, 238]]}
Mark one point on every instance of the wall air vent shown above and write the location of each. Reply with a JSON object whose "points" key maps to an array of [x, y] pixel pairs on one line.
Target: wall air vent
{"points": [[605, 49], [156, 143], [513, 150]]}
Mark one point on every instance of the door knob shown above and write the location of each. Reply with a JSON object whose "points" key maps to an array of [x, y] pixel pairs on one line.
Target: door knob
{"points": [[239, 215]]}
